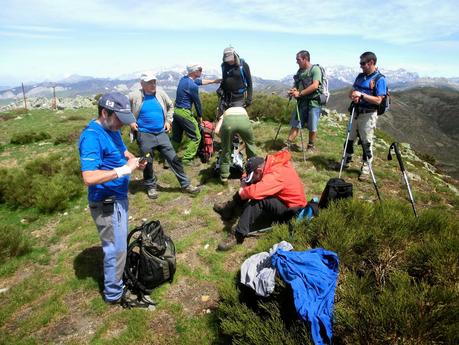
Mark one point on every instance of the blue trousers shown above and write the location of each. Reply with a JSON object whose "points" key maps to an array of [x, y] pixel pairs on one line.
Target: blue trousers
{"points": [[112, 224]]}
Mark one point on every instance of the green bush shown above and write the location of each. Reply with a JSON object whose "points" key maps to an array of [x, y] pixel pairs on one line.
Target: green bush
{"points": [[67, 138], [28, 137], [14, 241], [264, 106], [47, 183], [398, 277]]}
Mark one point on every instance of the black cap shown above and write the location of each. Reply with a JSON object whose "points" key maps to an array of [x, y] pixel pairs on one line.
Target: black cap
{"points": [[253, 164]]}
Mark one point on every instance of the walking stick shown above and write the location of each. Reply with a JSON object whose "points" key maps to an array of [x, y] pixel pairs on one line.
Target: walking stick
{"points": [[402, 168], [301, 132], [349, 128], [366, 158], [280, 124]]}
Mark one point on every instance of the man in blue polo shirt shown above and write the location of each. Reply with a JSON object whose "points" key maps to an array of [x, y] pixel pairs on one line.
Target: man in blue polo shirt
{"points": [[153, 109], [367, 93], [106, 165], [184, 120]]}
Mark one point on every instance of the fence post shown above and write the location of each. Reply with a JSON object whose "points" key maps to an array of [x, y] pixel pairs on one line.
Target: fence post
{"points": [[23, 94]]}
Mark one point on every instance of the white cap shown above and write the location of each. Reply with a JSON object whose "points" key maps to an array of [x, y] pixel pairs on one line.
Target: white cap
{"points": [[193, 67], [147, 76]]}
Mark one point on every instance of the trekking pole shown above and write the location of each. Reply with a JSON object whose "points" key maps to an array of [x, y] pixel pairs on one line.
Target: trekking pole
{"points": [[349, 127], [280, 124], [301, 132], [402, 168], [366, 158]]}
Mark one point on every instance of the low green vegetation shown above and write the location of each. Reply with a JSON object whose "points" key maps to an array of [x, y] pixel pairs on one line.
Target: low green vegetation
{"points": [[28, 137], [398, 281]]}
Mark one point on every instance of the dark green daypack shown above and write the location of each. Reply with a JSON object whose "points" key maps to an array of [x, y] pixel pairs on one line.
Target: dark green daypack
{"points": [[150, 258]]}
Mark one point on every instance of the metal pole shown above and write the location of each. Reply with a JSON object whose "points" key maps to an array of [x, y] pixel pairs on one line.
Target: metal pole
{"points": [[280, 123], [23, 94], [405, 176], [366, 158], [54, 98], [349, 127], [301, 132]]}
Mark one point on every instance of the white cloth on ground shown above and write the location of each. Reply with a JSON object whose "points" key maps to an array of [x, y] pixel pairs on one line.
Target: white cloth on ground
{"points": [[258, 273]]}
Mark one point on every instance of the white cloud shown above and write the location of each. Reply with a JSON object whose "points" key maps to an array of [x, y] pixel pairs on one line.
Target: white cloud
{"points": [[391, 21]]}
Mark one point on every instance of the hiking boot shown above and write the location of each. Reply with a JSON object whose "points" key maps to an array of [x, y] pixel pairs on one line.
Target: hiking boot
{"points": [[129, 301], [310, 148], [166, 165], [190, 189], [152, 193], [225, 209], [233, 239]]}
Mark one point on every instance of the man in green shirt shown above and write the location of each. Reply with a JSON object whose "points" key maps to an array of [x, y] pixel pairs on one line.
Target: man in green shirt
{"points": [[306, 91]]}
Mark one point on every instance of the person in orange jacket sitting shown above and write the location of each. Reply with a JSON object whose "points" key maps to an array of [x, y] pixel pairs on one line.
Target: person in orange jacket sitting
{"points": [[271, 189]]}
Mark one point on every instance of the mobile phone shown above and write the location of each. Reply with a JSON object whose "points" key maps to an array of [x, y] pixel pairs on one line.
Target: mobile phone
{"points": [[143, 159]]}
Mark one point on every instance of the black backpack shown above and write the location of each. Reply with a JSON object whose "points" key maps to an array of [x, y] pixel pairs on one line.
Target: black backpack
{"points": [[335, 189], [150, 258]]}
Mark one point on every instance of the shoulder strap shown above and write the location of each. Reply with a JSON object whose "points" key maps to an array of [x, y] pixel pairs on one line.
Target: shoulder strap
{"points": [[241, 69], [378, 76]]}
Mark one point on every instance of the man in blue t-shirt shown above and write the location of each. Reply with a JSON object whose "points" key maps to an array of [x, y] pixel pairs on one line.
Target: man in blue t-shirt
{"points": [[184, 120], [106, 165], [367, 93], [153, 109]]}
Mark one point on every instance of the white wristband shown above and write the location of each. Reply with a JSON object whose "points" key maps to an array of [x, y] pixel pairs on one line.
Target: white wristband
{"points": [[122, 171]]}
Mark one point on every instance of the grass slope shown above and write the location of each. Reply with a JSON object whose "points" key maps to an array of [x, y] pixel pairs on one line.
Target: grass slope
{"points": [[398, 276]]}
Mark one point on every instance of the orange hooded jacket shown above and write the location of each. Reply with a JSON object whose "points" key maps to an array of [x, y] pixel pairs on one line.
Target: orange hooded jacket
{"points": [[279, 180]]}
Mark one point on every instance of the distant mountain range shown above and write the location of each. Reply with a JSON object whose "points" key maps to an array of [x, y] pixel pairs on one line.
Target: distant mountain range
{"points": [[339, 77]]}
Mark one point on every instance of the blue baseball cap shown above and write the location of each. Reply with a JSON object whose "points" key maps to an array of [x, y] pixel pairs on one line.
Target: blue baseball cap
{"points": [[119, 103]]}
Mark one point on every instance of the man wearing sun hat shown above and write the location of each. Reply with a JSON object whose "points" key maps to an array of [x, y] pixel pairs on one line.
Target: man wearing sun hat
{"points": [[184, 119], [153, 110], [271, 190], [106, 165]]}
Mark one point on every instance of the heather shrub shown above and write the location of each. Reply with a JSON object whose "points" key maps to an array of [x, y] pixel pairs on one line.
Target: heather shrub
{"points": [[398, 278], [28, 137]]}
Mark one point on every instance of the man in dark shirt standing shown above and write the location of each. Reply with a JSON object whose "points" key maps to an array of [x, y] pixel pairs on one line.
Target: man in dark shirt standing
{"points": [[236, 86], [184, 120]]}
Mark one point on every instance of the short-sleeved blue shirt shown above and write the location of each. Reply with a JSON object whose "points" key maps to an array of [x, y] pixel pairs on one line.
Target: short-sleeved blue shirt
{"points": [[188, 93], [151, 116], [102, 149], [366, 84]]}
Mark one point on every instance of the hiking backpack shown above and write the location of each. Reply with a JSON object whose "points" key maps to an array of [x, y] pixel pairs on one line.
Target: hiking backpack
{"points": [[241, 70], [150, 259], [385, 103], [324, 92], [323, 87], [206, 145], [335, 189]]}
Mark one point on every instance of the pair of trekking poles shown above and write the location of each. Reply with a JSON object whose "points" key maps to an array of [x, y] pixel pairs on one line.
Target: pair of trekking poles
{"points": [[367, 157], [301, 127]]}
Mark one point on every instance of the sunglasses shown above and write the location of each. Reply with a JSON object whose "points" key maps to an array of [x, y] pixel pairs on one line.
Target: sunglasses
{"points": [[363, 63]]}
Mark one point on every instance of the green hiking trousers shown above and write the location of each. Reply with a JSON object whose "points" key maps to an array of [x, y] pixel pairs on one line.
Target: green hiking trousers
{"points": [[235, 124], [184, 121]]}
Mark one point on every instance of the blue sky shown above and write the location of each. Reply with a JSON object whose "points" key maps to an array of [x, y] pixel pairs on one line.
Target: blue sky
{"points": [[50, 39]]}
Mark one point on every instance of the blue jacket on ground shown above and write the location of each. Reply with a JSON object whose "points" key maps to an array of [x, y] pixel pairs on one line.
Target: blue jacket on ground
{"points": [[312, 274]]}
